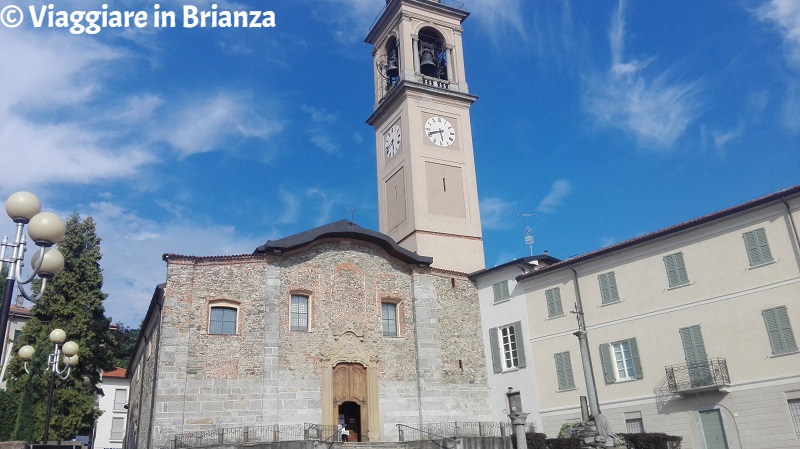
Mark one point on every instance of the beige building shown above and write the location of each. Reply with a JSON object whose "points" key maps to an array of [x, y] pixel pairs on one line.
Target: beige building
{"points": [[691, 329]]}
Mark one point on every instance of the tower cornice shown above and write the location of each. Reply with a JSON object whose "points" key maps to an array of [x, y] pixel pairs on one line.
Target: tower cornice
{"points": [[402, 89], [392, 7]]}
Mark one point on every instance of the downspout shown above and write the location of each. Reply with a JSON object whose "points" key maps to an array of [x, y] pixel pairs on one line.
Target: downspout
{"points": [[586, 359], [794, 229]]}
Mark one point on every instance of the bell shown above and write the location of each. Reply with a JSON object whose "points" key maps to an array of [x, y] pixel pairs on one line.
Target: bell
{"points": [[426, 64], [391, 68]]}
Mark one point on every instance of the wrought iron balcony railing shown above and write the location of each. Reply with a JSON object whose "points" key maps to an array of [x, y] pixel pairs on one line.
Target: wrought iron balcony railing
{"points": [[710, 375]]}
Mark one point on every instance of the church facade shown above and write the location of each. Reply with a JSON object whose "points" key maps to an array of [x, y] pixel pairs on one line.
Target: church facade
{"points": [[341, 325]]}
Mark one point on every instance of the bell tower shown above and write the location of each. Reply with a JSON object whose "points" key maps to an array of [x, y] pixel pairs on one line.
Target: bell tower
{"points": [[427, 189]]}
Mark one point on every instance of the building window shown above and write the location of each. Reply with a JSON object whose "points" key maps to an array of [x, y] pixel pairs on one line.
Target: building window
{"points": [[389, 318], [120, 399], [794, 410], [507, 354], [634, 425], [17, 333], [755, 242], [608, 288], [117, 429], [564, 371], [621, 361], [299, 313], [781, 337], [554, 308], [676, 270], [501, 291], [223, 321]]}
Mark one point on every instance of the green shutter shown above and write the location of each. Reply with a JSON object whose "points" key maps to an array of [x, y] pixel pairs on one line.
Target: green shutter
{"points": [[763, 245], [676, 270], [781, 337], [496, 363], [608, 365], [637, 364], [554, 302], [757, 247], [564, 371], [501, 291], [520, 343], [608, 288]]}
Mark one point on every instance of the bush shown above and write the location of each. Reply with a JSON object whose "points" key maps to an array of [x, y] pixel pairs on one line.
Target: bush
{"points": [[536, 440], [563, 443], [651, 441]]}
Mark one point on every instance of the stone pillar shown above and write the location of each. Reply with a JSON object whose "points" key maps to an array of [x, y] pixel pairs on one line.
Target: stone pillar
{"points": [[518, 420]]}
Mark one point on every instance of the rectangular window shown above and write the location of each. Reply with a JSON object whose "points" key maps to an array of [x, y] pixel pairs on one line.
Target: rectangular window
{"points": [[389, 318], [634, 425], [17, 333], [117, 429], [506, 346], [564, 371], [621, 361], [554, 308], [608, 288], [299, 313], [781, 337], [676, 270], [501, 291], [794, 411], [755, 242], [120, 399], [223, 321]]}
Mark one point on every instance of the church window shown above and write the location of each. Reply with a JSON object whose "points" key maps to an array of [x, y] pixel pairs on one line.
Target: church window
{"points": [[299, 313], [389, 318], [223, 321]]}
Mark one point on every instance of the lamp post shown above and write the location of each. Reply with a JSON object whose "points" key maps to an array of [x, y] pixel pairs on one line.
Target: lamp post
{"points": [[45, 229], [70, 359]]}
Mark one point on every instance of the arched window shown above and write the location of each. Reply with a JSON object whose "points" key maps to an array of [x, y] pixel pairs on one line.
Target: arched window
{"points": [[222, 320], [432, 54], [299, 313]]}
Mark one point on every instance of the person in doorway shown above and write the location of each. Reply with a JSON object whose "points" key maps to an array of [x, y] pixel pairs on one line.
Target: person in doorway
{"points": [[344, 433]]}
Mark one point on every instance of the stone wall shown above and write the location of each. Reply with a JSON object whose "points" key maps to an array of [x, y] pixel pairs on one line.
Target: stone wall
{"points": [[433, 371]]}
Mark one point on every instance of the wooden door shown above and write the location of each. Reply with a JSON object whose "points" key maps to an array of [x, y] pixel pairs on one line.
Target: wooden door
{"points": [[350, 385]]}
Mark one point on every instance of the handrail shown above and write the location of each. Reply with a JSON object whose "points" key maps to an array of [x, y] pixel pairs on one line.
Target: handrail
{"points": [[400, 431]]}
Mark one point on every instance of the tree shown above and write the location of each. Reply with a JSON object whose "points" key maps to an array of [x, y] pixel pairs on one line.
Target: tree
{"points": [[126, 340], [72, 301]]}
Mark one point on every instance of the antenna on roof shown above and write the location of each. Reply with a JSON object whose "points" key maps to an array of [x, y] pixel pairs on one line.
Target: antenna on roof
{"points": [[352, 214], [528, 234]]}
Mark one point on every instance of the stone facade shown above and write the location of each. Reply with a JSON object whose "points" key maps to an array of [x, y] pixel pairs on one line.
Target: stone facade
{"points": [[265, 373]]}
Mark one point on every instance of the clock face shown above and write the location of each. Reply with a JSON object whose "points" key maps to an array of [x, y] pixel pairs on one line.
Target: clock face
{"points": [[392, 141], [440, 131]]}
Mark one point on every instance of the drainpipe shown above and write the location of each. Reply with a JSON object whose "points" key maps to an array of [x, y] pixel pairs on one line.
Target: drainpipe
{"points": [[794, 227], [586, 359]]}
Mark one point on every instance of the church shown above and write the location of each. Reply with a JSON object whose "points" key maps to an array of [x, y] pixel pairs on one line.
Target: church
{"points": [[341, 325]]}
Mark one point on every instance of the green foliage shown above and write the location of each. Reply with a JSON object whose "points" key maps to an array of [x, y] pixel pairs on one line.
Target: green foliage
{"points": [[563, 443], [73, 301], [651, 441], [566, 429], [8, 414], [126, 340], [534, 440]]}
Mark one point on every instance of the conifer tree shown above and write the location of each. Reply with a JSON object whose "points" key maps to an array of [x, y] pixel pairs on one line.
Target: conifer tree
{"points": [[72, 301]]}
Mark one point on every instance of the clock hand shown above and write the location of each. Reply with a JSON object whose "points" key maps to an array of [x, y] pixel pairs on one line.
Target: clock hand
{"points": [[434, 132]]}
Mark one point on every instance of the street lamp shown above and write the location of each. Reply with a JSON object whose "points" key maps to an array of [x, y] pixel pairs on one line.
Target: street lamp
{"points": [[45, 229], [70, 359]]}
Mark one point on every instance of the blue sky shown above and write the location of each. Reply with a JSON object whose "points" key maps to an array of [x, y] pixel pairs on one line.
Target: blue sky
{"points": [[606, 119]]}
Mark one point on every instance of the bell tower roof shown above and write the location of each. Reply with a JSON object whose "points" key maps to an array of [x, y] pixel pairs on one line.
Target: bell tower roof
{"points": [[389, 12]]}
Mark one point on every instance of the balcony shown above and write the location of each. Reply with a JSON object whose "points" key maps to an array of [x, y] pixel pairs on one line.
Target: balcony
{"points": [[711, 375]]}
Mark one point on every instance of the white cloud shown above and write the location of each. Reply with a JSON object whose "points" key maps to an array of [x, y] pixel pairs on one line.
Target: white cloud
{"points": [[558, 192], [350, 19], [132, 247], [204, 123], [47, 84], [497, 15], [655, 109], [497, 213], [785, 15], [318, 131], [291, 207]]}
